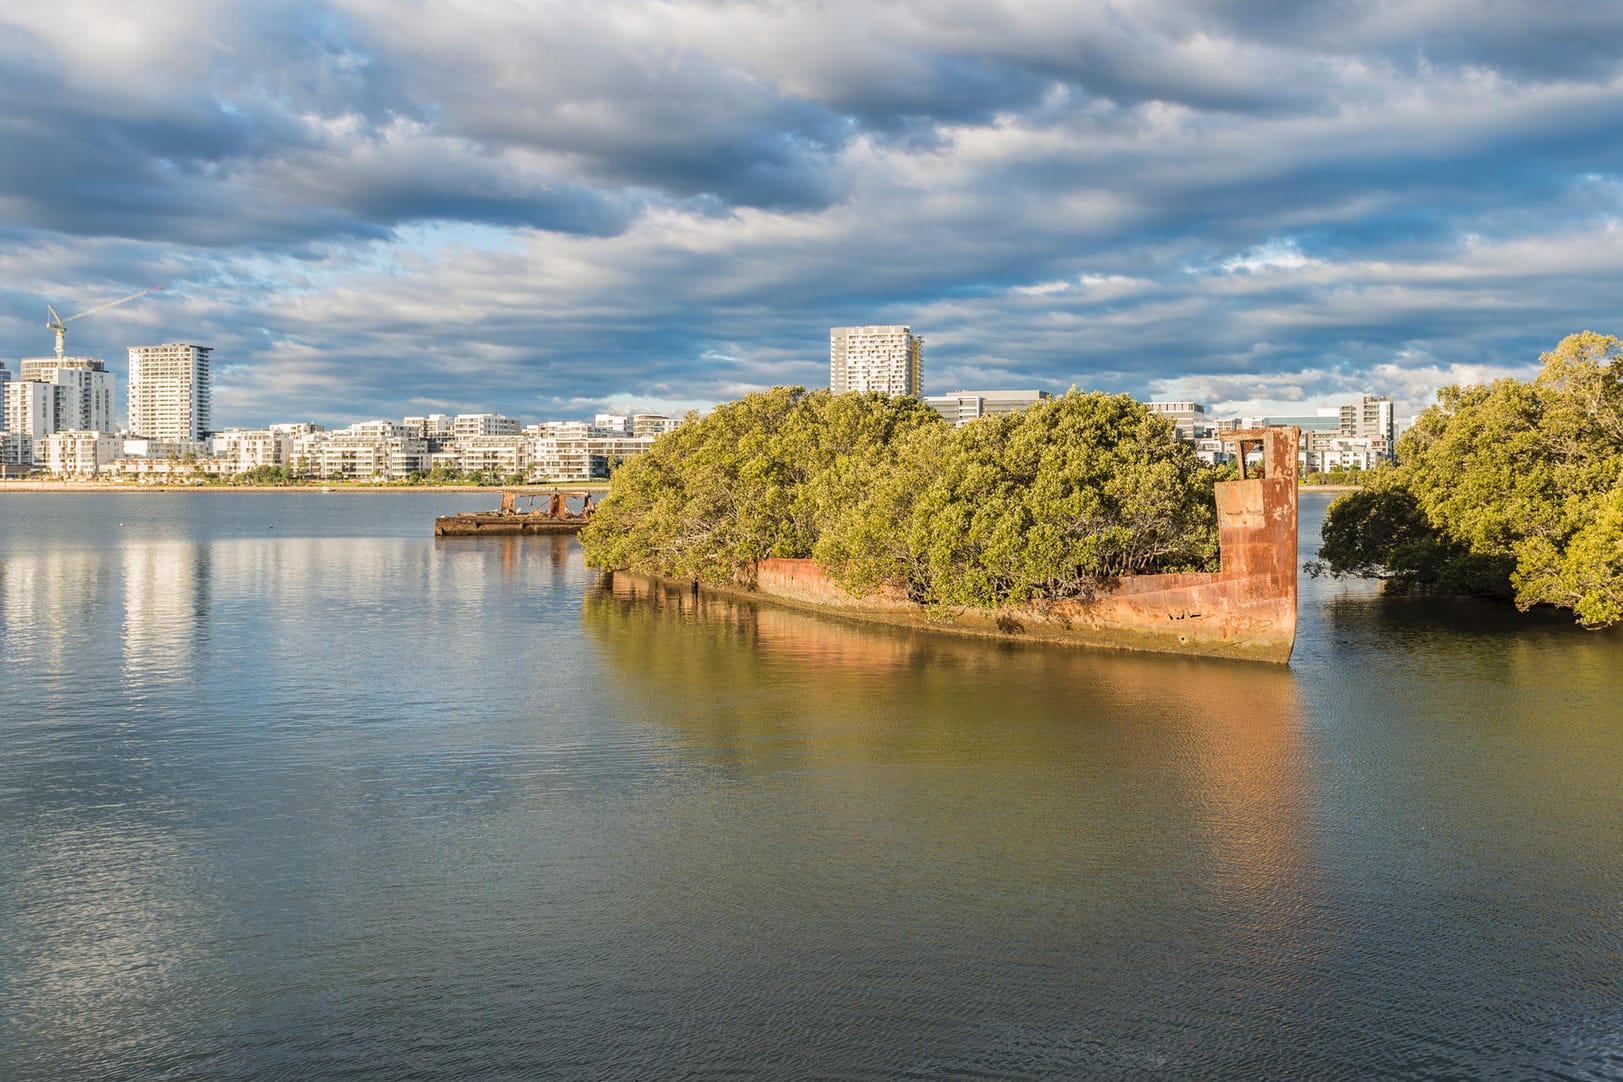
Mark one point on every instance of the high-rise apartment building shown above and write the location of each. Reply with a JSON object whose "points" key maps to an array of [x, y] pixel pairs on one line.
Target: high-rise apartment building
{"points": [[169, 391], [1371, 418], [83, 391], [888, 359], [30, 408]]}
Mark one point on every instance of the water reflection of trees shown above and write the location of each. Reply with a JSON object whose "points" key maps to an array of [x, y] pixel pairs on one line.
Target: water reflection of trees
{"points": [[1123, 795]]}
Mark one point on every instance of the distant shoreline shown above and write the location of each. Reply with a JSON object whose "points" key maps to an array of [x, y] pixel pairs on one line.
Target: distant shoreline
{"points": [[324, 488], [333, 487]]}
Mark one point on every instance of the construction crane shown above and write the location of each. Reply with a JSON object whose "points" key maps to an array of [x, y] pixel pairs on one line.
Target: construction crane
{"points": [[59, 325]]}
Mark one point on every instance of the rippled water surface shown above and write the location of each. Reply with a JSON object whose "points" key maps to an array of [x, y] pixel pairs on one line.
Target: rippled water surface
{"points": [[288, 788]]}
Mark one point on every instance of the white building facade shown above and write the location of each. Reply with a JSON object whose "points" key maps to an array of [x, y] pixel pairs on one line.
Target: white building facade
{"points": [[888, 359], [483, 424], [30, 408], [1189, 418], [1371, 418], [169, 391], [962, 407], [84, 390], [78, 453], [241, 450]]}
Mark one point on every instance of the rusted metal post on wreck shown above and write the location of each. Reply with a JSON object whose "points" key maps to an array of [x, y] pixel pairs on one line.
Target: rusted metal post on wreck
{"points": [[1257, 531]]}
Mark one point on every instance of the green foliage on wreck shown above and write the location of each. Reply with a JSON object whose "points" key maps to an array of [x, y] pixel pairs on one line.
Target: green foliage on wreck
{"points": [[1511, 489], [1052, 502]]}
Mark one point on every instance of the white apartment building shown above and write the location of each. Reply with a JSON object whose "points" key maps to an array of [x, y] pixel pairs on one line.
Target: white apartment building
{"points": [[1189, 418], [78, 453], [889, 359], [137, 447], [962, 407], [1371, 417], [500, 455], [636, 424], [84, 390], [297, 428], [30, 408], [614, 450], [483, 424], [16, 451], [560, 430], [360, 457], [652, 424], [1349, 453], [1212, 451], [154, 470], [169, 391], [564, 460], [241, 450], [433, 426], [370, 430]]}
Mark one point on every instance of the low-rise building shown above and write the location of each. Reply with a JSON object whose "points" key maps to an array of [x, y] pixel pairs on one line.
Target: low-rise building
{"points": [[1212, 450], [1189, 418], [1350, 453], [962, 407], [78, 453], [560, 430], [499, 455], [16, 453], [553, 459], [297, 428], [653, 424], [433, 426], [363, 458], [483, 424], [141, 447], [241, 450], [370, 430]]}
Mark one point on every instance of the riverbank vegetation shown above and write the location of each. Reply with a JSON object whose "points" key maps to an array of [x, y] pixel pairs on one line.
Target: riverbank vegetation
{"points": [[1048, 503], [1511, 489]]}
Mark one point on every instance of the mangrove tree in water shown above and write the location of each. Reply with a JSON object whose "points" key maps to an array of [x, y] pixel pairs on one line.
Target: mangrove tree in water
{"points": [[1511, 489], [1049, 503]]}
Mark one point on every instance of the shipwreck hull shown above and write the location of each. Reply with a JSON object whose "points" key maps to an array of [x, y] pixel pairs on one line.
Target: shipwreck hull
{"points": [[1245, 611], [495, 523], [508, 520]]}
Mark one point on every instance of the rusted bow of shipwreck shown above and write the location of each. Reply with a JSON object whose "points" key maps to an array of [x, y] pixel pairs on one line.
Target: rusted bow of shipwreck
{"points": [[1246, 610]]}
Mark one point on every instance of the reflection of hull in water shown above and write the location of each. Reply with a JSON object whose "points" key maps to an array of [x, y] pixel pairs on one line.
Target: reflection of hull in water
{"points": [[1246, 610]]}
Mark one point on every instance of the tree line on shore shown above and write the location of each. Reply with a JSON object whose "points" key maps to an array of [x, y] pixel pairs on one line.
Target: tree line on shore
{"points": [[1049, 503], [1511, 489]]}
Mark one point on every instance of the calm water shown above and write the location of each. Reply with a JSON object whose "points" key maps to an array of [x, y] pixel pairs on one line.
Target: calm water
{"points": [[290, 789]]}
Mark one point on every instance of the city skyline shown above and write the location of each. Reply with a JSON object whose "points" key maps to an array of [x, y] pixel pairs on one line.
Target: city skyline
{"points": [[620, 206]]}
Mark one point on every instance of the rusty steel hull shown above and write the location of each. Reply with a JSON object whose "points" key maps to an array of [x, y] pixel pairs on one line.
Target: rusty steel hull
{"points": [[1244, 611], [496, 524]]}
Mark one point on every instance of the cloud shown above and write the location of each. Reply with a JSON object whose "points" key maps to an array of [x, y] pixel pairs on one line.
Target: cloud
{"points": [[1282, 255], [535, 208]]}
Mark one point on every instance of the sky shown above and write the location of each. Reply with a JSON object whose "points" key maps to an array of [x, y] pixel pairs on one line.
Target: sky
{"points": [[375, 208]]}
